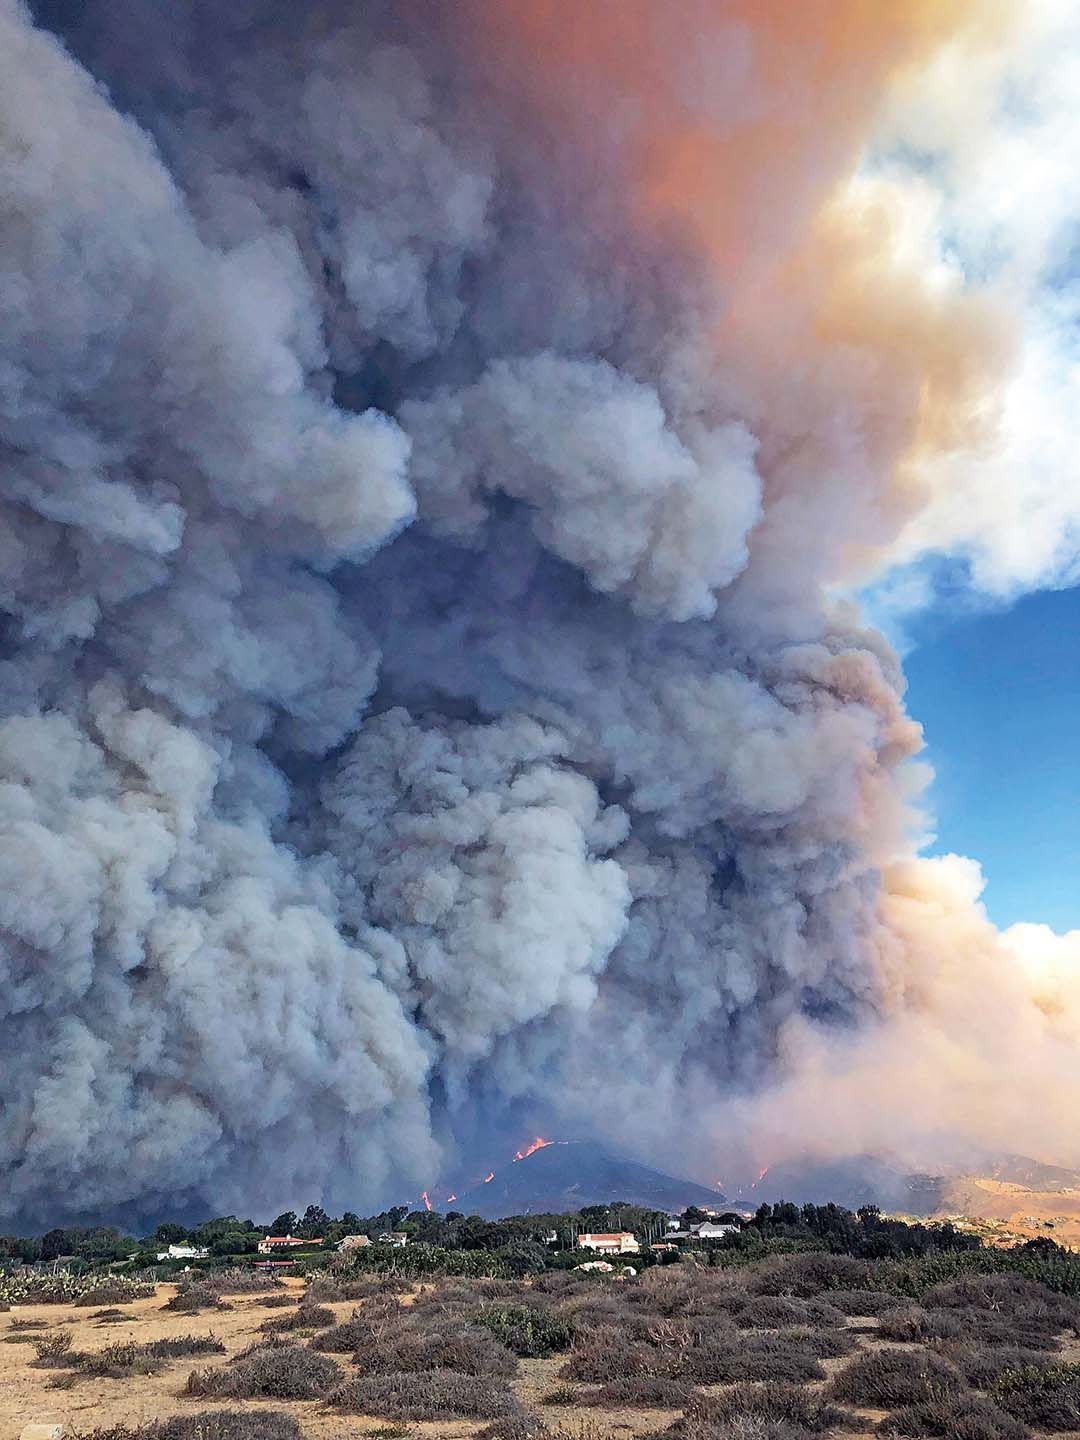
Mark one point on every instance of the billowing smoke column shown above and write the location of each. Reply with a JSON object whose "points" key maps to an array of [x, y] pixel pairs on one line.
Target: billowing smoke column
{"points": [[433, 440]]}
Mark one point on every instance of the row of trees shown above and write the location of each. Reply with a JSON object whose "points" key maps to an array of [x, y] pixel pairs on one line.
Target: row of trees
{"points": [[865, 1232]]}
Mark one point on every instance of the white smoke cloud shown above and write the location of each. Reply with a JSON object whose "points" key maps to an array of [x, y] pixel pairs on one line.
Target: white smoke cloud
{"points": [[423, 701]]}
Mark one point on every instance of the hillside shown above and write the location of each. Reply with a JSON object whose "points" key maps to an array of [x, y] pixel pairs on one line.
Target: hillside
{"points": [[570, 1174]]}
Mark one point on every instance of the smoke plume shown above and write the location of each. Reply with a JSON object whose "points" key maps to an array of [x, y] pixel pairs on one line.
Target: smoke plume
{"points": [[440, 443]]}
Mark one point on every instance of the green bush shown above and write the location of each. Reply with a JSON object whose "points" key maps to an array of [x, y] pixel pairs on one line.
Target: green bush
{"points": [[304, 1317], [1047, 1397], [526, 1330]]}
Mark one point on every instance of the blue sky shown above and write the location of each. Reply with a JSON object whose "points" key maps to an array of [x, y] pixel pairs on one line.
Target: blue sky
{"points": [[998, 693]]}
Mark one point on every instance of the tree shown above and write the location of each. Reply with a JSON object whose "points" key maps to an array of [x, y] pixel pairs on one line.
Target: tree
{"points": [[313, 1224], [169, 1233], [285, 1224]]}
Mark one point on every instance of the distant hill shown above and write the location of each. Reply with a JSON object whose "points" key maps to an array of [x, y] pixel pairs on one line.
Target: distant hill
{"points": [[570, 1174], [851, 1181]]}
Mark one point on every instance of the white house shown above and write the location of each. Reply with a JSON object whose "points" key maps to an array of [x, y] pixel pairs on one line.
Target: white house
{"points": [[269, 1243], [183, 1252], [619, 1243], [712, 1230], [354, 1242], [397, 1238]]}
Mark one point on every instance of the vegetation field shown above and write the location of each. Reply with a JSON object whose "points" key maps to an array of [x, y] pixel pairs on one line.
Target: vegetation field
{"points": [[959, 1345]]}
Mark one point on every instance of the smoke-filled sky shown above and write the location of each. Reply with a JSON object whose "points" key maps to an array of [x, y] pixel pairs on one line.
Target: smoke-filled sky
{"points": [[444, 448]]}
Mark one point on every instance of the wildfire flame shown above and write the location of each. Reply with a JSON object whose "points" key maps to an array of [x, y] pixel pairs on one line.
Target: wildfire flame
{"points": [[532, 1147], [424, 1197], [489, 1177], [450, 1199]]}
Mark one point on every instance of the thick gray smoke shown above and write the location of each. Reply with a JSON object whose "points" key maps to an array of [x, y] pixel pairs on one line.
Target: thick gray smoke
{"points": [[418, 715]]}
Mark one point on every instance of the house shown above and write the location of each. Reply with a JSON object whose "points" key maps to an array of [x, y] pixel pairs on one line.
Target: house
{"points": [[353, 1242], [183, 1252], [270, 1243], [661, 1247], [619, 1243], [714, 1230], [397, 1238]]}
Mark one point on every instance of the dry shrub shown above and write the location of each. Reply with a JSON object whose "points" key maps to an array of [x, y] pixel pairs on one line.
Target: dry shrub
{"points": [[126, 1358], [770, 1358], [609, 1354], [237, 1281], [278, 1302], [434, 1395], [954, 1415], [686, 1293], [195, 1296], [467, 1350], [523, 1426], [323, 1285], [822, 1344], [52, 1350], [1005, 1294], [982, 1365], [1047, 1397], [893, 1377], [645, 1392], [911, 1323], [304, 1317], [114, 1292], [209, 1425], [374, 1323], [804, 1276], [860, 1302], [778, 1312], [287, 1372], [791, 1406]]}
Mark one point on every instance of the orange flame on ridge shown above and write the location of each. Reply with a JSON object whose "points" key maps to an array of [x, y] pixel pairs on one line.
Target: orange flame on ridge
{"points": [[489, 1177], [538, 1144], [424, 1198]]}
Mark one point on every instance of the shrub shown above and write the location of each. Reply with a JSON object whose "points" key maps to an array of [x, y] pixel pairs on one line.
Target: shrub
{"points": [[435, 1395], [562, 1395], [647, 1392], [113, 1291], [289, 1372], [361, 1328], [304, 1317], [861, 1302], [237, 1281], [788, 1405], [893, 1377], [50, 1350], [954, 1416], [1047, 1397], [526, 1330], [104, 1316], [126, 1357], [912, 1323], [278, 1302], [823, 1344], [755, 1358], [982, 1365], [323, 1285], [775, 1312], [807, 1275], [210, 1425], [198, 1295], [467, 1350], [64, 1287], [608, 1354]]}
